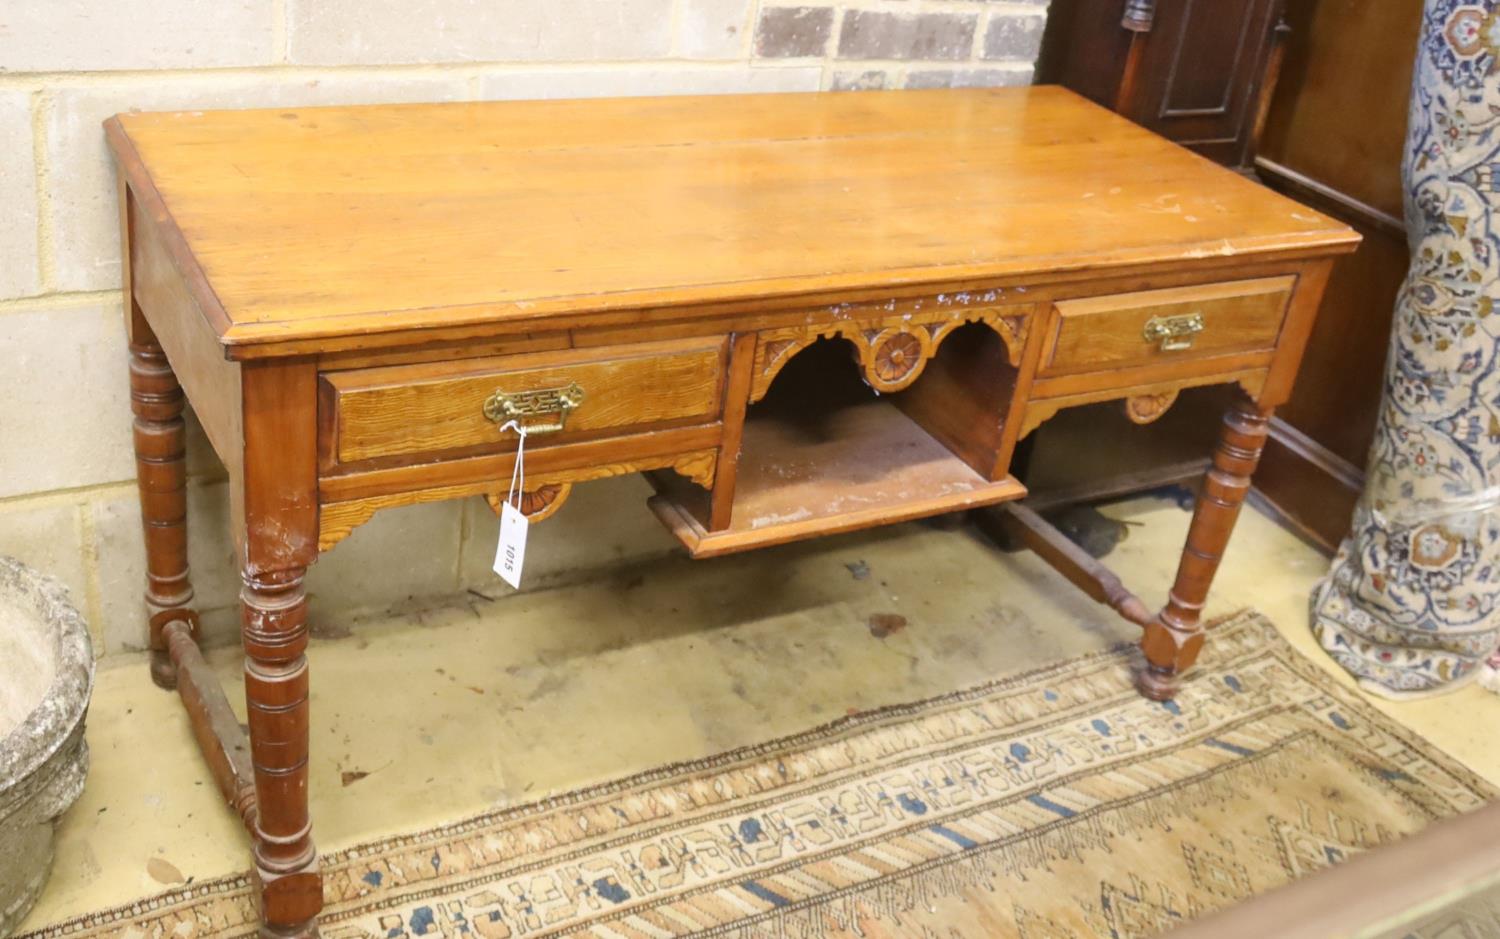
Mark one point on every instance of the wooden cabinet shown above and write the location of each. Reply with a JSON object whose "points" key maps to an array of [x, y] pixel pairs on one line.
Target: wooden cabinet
{"points": [[1194, 71]]}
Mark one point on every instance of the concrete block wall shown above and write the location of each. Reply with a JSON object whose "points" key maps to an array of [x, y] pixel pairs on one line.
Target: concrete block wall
{"points": [[67, 497]]}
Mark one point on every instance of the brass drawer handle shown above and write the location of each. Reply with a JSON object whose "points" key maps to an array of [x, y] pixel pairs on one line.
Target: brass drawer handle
{"points": [[505, 406], [1174, 333]]}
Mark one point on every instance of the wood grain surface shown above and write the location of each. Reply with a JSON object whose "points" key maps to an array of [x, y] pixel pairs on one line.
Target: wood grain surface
{"points": [[324, 222], [1105, 332], [434, 408]]}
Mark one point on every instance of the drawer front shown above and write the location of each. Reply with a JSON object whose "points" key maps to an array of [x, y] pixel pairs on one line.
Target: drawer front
{"points": [[559, 396], [1164, 326]]}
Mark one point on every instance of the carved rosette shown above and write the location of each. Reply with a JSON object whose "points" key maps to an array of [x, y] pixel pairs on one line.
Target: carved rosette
{"points": [[1143, 409], [891, 351], [892, 359], [537, 505], [897, 356]]}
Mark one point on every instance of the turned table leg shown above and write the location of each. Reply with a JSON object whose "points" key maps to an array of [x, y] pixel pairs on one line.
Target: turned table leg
{"points": [[1174, 637], [276, 690], [161, 477], [275, 491]]}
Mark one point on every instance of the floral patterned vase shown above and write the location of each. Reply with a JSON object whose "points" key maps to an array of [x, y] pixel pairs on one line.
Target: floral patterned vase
{"points": [[1409, 606]]}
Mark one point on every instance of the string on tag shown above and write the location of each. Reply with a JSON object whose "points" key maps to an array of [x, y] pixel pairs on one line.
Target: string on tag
{"points": [[510, 552], [518, 471]]}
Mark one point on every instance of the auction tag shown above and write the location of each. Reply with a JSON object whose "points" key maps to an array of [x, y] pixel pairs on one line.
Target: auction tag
{"points": [[511, 552]]}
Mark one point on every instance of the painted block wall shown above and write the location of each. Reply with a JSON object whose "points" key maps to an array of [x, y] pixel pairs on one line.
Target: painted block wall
{"points": [[67, 496]]}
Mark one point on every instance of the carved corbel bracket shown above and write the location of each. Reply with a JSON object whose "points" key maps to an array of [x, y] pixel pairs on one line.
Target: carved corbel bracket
{"points": [[1040, 412]]}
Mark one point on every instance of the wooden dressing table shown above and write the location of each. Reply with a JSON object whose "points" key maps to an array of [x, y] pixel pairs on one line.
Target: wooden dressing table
{"points": [[354, 300]]}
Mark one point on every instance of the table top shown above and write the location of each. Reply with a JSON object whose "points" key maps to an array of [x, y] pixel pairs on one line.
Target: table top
{"points": [[319, 222]]}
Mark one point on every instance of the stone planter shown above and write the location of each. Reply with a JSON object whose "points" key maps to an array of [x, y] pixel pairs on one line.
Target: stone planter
{"points": [[46, 677]]}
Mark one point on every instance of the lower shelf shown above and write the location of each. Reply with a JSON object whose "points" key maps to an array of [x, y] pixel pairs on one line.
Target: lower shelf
{"points": [[806, 475]]}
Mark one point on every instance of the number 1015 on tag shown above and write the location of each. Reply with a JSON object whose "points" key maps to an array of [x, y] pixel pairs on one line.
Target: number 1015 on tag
{"points": [[510, 554]]}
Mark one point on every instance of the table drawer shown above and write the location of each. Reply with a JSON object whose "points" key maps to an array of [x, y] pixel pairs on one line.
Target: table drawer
{"points": [[1163, 326], [429, 408]]}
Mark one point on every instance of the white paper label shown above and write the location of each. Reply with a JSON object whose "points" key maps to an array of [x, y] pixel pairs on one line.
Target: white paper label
{"points": [[511, 552]]}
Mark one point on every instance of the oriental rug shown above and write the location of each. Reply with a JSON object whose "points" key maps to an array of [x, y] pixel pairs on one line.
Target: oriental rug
{"points": [[1051, 804]]}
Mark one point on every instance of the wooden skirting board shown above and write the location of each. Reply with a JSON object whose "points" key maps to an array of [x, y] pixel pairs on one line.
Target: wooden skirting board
{"points": [[1312, 488]]}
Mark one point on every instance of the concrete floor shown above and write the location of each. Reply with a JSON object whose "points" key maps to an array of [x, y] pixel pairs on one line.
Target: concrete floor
{"points": [[443, 713]]}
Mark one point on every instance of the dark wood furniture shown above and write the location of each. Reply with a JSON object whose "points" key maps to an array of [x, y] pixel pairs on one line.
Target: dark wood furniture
{"points": [[1334, 139], [1199, 72], [354, 299]]}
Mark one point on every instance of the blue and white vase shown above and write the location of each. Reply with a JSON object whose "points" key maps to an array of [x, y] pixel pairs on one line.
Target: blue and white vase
{"points": [[1409, 606]]}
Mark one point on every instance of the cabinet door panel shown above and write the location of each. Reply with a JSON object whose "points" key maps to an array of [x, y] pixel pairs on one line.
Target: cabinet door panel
{"points": [[1202, 73]]}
